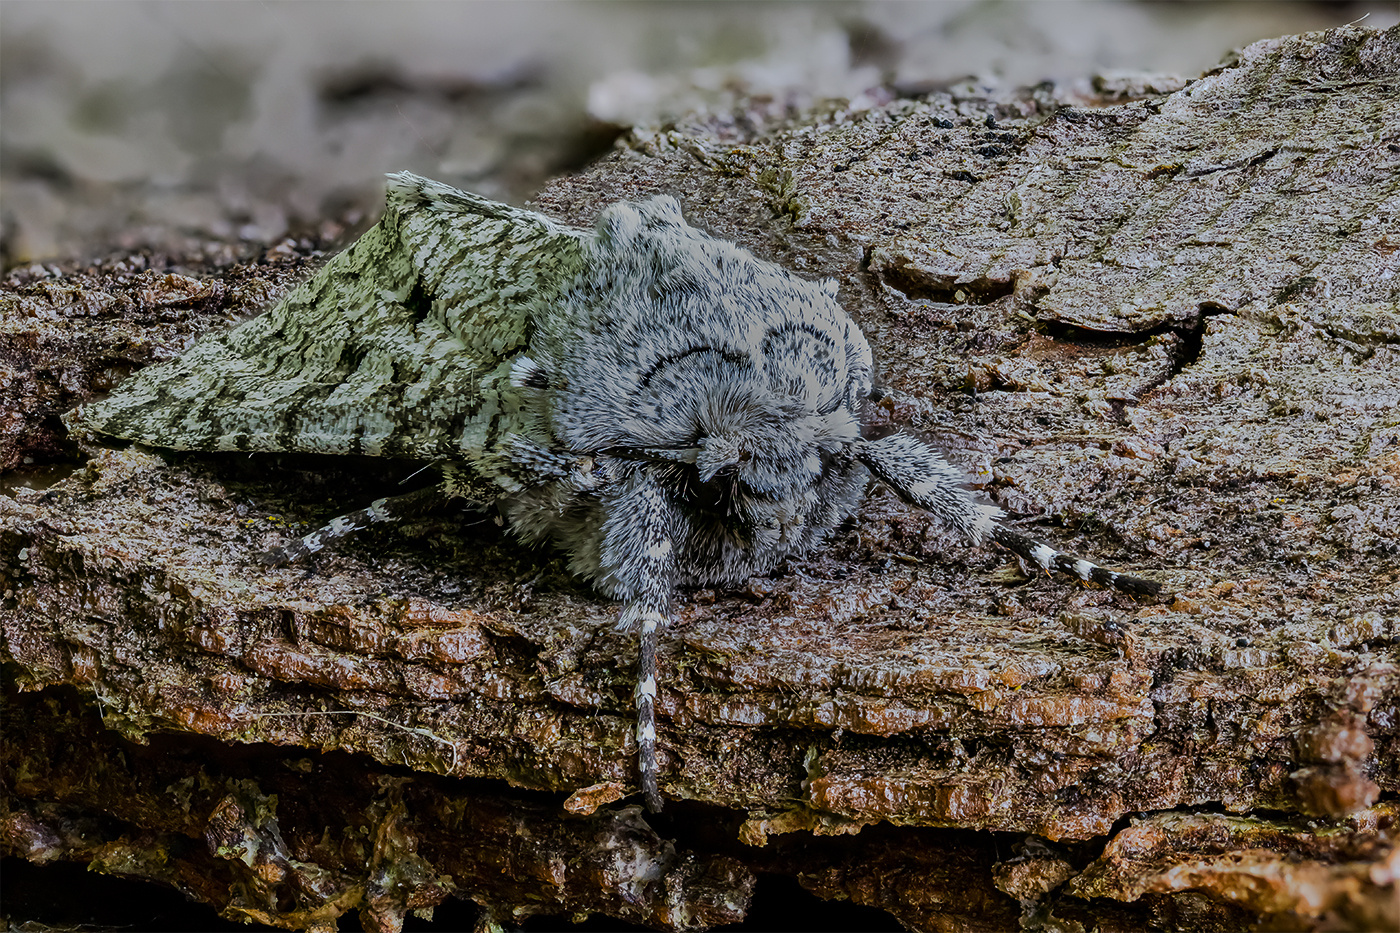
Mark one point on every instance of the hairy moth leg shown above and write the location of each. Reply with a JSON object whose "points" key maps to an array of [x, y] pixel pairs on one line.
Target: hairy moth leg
{"points": [[919, 476], [648, 622], [922, 478], [388, 509], [639, 554], [1047, 558]]}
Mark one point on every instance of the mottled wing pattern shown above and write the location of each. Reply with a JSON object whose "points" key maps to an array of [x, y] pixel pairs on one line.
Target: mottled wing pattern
{"points": [[400, 346]]}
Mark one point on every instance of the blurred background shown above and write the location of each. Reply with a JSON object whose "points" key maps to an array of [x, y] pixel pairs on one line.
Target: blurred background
{"points": [[188, 127]]}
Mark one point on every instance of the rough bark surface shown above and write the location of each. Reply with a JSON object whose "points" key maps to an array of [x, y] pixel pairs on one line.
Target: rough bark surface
{"points": [[1164, 330]]}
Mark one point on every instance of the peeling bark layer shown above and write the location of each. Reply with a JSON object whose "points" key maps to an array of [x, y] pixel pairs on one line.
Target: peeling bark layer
{"points": [[1179, 319], [296, 841]]}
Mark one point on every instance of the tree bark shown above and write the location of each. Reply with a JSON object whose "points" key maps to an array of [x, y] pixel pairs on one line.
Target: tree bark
{"points": [[1163, 329]]}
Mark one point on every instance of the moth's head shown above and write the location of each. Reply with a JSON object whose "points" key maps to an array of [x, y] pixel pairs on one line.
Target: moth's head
{"points": [[739, 425]]}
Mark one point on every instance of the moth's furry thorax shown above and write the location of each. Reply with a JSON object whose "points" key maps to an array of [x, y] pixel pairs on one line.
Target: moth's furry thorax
{"points": [[732, 383]]}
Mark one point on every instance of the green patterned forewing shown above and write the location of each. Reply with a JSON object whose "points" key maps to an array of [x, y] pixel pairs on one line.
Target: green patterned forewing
{"points": [[400, 346]]}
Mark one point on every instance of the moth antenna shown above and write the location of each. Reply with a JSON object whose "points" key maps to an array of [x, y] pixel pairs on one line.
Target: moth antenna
{"points": [[389, 509], [921, 477]]}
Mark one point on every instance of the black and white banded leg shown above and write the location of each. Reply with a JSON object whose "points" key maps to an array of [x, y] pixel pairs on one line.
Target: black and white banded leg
{"points": [[639, 554], [919, 476], [647, 621], [389, 509], [1048, 559]]}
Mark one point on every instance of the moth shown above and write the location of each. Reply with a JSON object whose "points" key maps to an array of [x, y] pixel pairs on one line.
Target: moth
{"points": [[661, 405]]}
